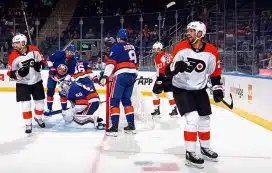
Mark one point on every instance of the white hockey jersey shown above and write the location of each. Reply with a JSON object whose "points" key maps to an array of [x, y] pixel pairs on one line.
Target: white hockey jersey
{"points": [[202, 64], [17, 60]]}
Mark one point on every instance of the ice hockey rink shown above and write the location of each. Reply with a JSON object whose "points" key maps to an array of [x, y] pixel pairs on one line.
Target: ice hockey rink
{"points": [[158, 145]]}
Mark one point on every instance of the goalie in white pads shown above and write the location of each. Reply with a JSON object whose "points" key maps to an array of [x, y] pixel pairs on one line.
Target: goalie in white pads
{"points": [[84, 100], [194, 63]]}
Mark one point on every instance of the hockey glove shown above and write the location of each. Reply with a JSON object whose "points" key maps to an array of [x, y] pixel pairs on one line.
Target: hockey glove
{"points": [[23, 72], [218, 93], [37, 66], [176, 67], [102, 78], [158, 86]]}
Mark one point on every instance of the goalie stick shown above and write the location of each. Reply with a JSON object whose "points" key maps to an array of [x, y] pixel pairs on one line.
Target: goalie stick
{"points": [[49, 114]]}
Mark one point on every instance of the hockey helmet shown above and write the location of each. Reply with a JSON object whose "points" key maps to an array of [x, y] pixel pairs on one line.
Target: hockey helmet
{"points": [[19, 38], [197, 26], [65, 87], [70, 51], [71, 47], [157, 47], [122, 34]]}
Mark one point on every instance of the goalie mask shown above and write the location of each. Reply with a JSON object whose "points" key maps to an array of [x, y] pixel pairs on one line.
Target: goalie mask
{"points": [[65, 87], [157, 47], [19, 42], [196, 26]]}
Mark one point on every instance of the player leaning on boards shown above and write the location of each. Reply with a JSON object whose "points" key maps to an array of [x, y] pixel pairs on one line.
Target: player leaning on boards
{"points": [[162, 59], [122, 64], [24, 65], [194, 62]]}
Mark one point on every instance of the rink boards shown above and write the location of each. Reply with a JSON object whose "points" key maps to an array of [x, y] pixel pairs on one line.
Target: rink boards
{"points": [[251, 96]]}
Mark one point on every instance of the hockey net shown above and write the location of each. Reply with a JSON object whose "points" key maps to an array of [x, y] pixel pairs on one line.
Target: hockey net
{"points": [[143, 119]]}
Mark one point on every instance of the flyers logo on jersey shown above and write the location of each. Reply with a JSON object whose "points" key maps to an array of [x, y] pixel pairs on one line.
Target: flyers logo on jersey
{"points": [[195, 64], [28, 63], [62, 69]]}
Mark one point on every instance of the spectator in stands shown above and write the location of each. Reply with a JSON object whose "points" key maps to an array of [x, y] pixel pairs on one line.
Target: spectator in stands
{"points": [[269, 66], [146, 35], [89, 34], [2, 65]]}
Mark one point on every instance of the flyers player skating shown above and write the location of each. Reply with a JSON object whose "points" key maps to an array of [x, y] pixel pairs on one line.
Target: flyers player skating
{"points": [[162, 83], [25, 63], [194, 63]]}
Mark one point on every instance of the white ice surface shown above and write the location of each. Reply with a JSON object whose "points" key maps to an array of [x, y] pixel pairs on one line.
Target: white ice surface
{"points": [[243, 147]]}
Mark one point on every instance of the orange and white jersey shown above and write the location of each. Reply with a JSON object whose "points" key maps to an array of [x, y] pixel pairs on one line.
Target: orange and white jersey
{"points": [[161, 60], [16, 60], [202, 64]]}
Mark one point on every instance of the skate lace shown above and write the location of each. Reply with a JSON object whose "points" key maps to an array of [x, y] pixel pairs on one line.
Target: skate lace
{"points": [[193, 154], [28, 127], [208, 150]]}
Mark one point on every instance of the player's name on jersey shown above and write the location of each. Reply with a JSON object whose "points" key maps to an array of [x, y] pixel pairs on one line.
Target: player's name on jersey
{"points": [[129, 47]]}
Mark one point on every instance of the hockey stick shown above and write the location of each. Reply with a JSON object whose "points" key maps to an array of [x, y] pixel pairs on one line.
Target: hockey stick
{"points": [[230, 106], [170, 4], [27, 28]]}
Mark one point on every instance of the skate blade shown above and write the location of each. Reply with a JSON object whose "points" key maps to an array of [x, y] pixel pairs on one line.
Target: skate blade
{"points": [[210, 159], [193, 165], [133, 132], [174, 116], [154, 117], [113, 134]]}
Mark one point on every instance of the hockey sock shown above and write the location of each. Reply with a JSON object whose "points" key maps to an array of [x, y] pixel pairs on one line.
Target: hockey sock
{"points": [[50, 102], [190, 131], [204, 131], [115, 113], [129, 112], [63, 102]]}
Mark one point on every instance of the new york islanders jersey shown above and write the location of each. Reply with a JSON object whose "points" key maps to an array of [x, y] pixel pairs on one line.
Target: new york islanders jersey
{"points": [[83, 93], [61, 66], [16, 60], [161, 61], [124, 59], [81, 69], [202, 64]]}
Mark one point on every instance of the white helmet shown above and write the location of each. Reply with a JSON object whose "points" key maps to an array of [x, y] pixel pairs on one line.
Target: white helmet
{"points": [[157, 45], [19, 38], [197, 26]]}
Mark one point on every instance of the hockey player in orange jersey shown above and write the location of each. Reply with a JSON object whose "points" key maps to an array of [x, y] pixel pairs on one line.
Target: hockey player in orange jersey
{"points": [[194, 63], [162, 59]]}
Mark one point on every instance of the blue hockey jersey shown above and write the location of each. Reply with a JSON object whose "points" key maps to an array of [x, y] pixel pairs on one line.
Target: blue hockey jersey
{"points": [[124, 58], [83, 93], [61, 66]]}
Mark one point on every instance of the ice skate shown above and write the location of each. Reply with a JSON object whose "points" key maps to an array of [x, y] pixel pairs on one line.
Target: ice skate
{"points": [[112, 131], [130, 129], [209, 155], [28, 129], [174, 113], [156, 113], [39, 122], [193, 160], [98, 123]]}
